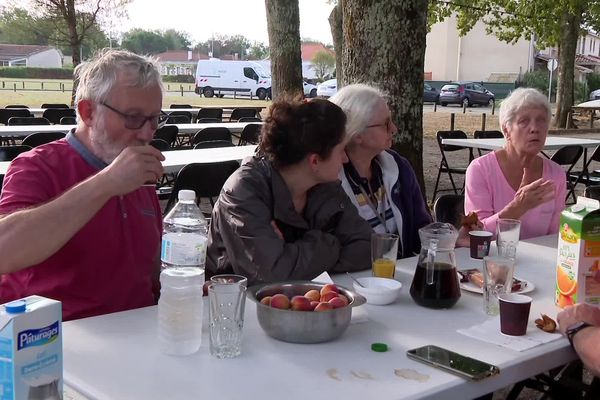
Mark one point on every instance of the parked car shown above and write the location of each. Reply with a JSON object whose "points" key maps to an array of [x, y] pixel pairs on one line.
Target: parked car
{"points": [[310, 90], [430, 94], [327, 88], [466, 93], [595, 94]]}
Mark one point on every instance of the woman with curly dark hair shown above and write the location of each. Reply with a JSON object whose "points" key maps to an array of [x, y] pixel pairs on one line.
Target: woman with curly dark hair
{"points": [[283, 215]]}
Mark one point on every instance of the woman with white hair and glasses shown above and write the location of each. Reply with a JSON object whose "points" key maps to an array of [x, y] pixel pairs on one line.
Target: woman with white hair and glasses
{"points": [[381, 184], [516, 182]]}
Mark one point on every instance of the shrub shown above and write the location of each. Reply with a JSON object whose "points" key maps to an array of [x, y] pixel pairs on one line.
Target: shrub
{"points": [[36, 73], [593, 81], [178, 78]]}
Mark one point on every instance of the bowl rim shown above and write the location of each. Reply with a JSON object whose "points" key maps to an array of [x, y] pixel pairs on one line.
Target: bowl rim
{"points": [[379, 289]]}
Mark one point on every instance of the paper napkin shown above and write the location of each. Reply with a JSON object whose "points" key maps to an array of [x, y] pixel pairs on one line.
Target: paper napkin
{"points": [[489, 331]]}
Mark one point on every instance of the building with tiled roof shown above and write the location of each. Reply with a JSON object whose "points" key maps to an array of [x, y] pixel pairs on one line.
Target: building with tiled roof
{"points": [[25, 55], [179, 62]]}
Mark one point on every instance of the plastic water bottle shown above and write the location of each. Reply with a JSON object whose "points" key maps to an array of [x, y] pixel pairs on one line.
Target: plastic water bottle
{"points": [[183, 254]]}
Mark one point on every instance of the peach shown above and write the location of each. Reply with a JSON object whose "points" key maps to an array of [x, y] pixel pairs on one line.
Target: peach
{"points": [[323, 307], [313, 304], [266, 300], [344, 298], [300, 303], [313, 295], [337, 302], [328, 296], [330, 287], [280, 301]]}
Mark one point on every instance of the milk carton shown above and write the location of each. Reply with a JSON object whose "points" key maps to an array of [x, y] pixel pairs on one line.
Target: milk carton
{"points": [[31, 349], [578, 261]]}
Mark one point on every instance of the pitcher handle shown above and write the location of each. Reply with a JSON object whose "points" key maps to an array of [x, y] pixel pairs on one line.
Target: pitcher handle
{"points": [[433, 243]]}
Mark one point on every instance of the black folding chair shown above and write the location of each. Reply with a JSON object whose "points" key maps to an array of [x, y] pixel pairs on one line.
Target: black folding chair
{"points": [[55, 114], [68, 121], [216, 113], [487, 135], [449, 208], [186, 114], [178, 119], [9, 153], [40, 138], [206, 179], [181, 106], [160, 144], [208, 121], [250, 134], [54, 105], [6, 113], [568, 156], [209, 144], [585, 176], [249, 119], [238, 113], [444, 164], [592, 192], [168, 133], [13, 121], [207, 134], [16, 106]]}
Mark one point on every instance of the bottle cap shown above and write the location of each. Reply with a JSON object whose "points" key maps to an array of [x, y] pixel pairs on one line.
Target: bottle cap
{"points": [[379, 347], [186, 195], [15, 307]]}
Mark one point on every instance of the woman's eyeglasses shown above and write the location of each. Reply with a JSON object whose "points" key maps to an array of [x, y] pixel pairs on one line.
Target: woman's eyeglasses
{"points": [[137, 121], [387, 124]]}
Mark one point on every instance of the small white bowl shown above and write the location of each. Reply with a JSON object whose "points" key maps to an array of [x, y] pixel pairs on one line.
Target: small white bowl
{"points": [[378, 291]]}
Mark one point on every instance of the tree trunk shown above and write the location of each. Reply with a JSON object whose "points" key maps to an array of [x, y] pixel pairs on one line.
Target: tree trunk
{"points": [[566, 70], [74, 41], [283, 23], [337, 33], [384, 45]]}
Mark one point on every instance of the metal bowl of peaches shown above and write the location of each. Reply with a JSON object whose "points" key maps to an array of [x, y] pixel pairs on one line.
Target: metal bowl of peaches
{"points": [[292, 312]]}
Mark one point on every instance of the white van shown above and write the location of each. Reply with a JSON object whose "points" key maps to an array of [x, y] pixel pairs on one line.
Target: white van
{"points": [[220, 77]]}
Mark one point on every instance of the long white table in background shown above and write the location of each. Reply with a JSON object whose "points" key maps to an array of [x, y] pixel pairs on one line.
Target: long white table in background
{"points": [[38, 112], [177, 159], [25, 130], [552, 143], [116, 356]]}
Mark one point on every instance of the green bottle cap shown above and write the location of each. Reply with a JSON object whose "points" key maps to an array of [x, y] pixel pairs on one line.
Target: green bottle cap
{"points": [[379, 347]]}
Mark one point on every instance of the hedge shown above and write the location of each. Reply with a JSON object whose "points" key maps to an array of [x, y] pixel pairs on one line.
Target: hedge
{"points": [[178, 78], [36, 73]]}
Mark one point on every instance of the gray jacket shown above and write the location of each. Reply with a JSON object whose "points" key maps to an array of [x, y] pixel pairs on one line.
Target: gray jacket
{"points": [[330, 236]]}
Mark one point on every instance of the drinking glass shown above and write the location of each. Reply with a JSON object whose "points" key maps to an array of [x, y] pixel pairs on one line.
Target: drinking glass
{"points": [[384, 251], [507, 236], [497, 280], [227, 299]]}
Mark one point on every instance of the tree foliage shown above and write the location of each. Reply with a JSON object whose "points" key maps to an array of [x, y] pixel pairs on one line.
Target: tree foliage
{"points": [[551, 22], [225, 45], [323, 64], [143, 41], [19, 26]]}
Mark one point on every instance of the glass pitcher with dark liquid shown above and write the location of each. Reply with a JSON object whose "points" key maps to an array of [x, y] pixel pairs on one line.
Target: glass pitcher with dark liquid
{"points": [[435, 284]]}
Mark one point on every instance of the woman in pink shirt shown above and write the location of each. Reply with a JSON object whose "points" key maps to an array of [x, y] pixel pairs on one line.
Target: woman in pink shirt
{"points": [[515, 181]]}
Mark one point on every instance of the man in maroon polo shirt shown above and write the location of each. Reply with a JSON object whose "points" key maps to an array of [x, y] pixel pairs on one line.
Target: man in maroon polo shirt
{"points": [[77, 223]]}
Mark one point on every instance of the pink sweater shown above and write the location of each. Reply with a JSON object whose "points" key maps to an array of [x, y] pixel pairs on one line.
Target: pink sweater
{"points": [[487, 192]]}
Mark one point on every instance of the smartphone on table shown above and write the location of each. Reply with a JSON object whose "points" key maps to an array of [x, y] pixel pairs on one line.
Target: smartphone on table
{"points": [[452, 362]]}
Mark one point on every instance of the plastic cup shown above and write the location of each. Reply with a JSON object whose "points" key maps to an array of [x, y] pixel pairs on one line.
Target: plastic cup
{"points": [[514, 313], [384, 252], [226, 317], [480, 243], [507, 236], [497, 280]]}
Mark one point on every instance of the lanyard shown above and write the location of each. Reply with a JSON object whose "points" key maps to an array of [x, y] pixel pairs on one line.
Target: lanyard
{"points": [[374, 208]]}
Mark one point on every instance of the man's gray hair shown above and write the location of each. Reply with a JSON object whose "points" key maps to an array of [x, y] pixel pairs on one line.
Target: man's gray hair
{"points": [[518, 99], [98, 76], [358, 102]]}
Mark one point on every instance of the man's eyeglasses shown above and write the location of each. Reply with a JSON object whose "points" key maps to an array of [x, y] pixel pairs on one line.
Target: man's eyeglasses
{"points": [[137, 121], [387, 124]]}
